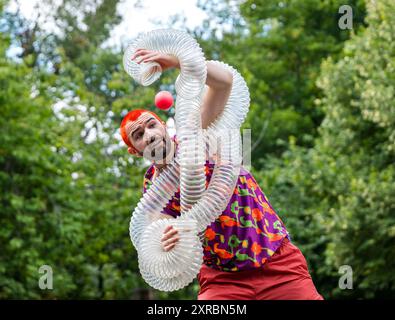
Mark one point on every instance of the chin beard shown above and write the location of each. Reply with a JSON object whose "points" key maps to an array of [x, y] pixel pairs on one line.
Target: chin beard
{"points": [[159, 153]]}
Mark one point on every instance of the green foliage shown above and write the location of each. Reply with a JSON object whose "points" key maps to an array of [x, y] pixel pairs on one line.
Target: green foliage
{"points": [[339, 195], [359, 125], [68, 185], [63, 202], [322, 119], [278, 46]]}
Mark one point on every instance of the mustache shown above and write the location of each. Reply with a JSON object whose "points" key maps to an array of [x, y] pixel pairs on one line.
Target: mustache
{"points": [[156, 141], [155, 146]]}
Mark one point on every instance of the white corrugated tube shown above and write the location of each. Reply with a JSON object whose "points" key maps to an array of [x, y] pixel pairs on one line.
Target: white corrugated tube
{"points": [[173, 270]]}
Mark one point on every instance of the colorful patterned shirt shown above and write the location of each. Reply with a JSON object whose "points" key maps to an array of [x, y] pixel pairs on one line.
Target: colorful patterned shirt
{"points": [[248, 231]]}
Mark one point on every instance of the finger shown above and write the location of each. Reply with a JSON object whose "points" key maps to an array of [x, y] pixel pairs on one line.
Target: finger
{"points": [[170, 241], [153, 55], [151, 59], [149, 55], [169, 235], [139, 52], [168, 248], [168, 229]]}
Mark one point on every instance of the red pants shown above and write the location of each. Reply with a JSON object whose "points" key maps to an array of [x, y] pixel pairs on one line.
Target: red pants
{"points": [[284, 277]]}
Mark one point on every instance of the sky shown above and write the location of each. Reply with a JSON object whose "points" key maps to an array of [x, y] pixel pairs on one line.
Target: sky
{"points": [[139, 20], [135, 19]]}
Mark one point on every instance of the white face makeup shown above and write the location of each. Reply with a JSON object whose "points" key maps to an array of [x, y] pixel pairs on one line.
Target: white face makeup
{"points": [[150, 137]]}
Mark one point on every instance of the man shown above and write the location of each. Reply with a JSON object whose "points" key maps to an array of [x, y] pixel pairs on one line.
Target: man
{"points": [[247, 250]]}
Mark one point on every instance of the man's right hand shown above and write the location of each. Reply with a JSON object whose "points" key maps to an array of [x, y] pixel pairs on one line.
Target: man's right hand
{"points": [[170, 238], [166, 61]]}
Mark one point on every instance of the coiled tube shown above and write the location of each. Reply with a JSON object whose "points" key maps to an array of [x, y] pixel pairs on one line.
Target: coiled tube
{"points": [[168, 271], [189, 88]]}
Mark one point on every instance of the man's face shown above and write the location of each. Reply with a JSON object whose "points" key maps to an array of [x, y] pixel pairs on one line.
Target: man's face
{"points": [[150, 138]]}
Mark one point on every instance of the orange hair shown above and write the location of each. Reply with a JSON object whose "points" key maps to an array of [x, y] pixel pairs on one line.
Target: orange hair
{"points": [[130, 117]]}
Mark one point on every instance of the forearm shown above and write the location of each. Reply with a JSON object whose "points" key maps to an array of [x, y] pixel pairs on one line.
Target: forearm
{"points": [[218, 77]]}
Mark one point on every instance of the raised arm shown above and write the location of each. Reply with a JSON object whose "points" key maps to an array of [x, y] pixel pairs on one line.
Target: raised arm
{"points": [[219, 82]]}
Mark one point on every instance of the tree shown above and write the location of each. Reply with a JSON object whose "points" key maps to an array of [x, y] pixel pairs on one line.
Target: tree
{"points": [[69, 183], [339, 195], [278, 46]]}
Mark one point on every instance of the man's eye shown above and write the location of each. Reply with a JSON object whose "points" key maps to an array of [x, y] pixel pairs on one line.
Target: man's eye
{"points": [[138, 136], [152, 125]]}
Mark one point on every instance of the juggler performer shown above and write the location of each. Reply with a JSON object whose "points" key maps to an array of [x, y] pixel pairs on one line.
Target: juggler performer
{"points": [[248, 253]]}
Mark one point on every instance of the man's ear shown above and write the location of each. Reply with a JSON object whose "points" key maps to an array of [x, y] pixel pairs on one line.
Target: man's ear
{"points": [[132, 152]]}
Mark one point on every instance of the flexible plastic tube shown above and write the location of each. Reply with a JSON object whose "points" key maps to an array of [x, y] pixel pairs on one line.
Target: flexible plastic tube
{"points": [[189, 88], [226, 129], [170, 271], [173, 270], [188, 120]]}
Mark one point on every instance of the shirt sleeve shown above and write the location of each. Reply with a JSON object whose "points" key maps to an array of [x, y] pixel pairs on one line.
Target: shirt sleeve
{"points": [[147, 181]]}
